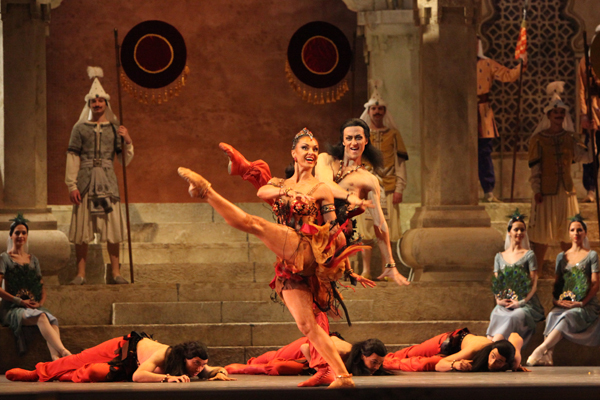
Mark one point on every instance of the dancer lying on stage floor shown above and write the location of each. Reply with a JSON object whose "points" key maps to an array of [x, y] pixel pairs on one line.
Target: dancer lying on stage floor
{"points": [[366, 358], [459, 351], [342, 171], [311, 254], [134, 357], [25, 294], [296, 358], [576, 306], [361, 359], [516, 315]]}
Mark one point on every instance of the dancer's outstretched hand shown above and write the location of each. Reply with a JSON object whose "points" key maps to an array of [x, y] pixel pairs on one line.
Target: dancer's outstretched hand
{"points": [[178, 379], [222, 377], [392, 274], [362, 280]]}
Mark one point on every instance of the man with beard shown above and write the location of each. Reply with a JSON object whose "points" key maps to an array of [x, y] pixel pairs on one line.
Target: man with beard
{"points": [[91, 179]]}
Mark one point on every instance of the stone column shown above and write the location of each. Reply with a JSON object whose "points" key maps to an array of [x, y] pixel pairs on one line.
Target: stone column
{"points": [[392, 55], [429, 75], [451, 236], [25, 25]]}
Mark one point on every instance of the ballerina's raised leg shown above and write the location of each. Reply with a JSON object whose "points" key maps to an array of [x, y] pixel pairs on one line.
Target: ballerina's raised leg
{"points": [[284, 242]]}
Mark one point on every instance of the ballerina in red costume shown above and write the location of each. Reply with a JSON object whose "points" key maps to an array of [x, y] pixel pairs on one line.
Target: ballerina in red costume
{"points": [[311, 255], [342, 171]]}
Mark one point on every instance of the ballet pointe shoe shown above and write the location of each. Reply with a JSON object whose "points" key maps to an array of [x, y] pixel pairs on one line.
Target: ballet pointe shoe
{"points": [[536, 358], [198, 185], [323, 377], [22, 375], [547, 359], [238, 165], [342, 382]]}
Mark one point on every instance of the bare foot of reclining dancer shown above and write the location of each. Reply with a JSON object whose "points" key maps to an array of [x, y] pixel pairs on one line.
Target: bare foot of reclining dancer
{"points": [[310, 252]]}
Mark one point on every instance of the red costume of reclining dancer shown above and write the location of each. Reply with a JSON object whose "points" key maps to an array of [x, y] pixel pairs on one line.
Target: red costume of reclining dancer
{"points": [[288, 360], [91, 365], [420, 357]]}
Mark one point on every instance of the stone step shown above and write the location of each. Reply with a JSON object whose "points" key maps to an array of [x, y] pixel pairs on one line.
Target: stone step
{"points": [[183, 232], [422, 301], [166, 214], [171, 253], [169, 213], [218, 312], [198, 273], [183, 257]]}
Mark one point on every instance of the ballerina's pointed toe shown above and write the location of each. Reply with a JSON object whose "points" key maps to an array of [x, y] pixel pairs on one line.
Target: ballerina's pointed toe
{"points": [[198, 185]]}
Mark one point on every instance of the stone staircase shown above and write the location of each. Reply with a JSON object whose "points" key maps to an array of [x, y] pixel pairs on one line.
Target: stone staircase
{"points": [[198, 279]]}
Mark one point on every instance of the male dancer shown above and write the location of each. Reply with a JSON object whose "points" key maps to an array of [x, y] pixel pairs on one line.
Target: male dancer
{"points": [[342, 170], [91, 179]]}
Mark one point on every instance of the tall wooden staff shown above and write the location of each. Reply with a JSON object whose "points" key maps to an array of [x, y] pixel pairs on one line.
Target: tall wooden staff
{"points": [[521, 49], [590, 83], [118, 58]]}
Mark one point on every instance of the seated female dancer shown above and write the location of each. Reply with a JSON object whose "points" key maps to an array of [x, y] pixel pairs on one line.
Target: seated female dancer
{"points": [[134, 357], [572, 318], [25, 294], [518, 315], [459, 351], [310, 256]]}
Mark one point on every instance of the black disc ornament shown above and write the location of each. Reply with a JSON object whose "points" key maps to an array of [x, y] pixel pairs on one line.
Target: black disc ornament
{"points": [[319, 57], [153, 57]]}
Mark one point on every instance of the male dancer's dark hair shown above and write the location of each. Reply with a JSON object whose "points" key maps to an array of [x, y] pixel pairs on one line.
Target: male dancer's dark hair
{"points": [[371, 154]]}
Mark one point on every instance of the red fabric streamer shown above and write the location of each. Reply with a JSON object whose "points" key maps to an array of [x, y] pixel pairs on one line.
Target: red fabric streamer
{"points": [[522, 42]]}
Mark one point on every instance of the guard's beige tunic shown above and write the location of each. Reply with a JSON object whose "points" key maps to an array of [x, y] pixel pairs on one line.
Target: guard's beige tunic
{"points": [[392, 178], [488, 71], [550, 159], [88, 141]]}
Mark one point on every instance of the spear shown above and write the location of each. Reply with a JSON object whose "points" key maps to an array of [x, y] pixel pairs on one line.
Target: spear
{"points": [[590, 85], [521, 48], [118, 59]]}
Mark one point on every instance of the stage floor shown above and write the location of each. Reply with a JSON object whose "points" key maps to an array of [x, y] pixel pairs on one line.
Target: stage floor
{"points": [[542, 382]]}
